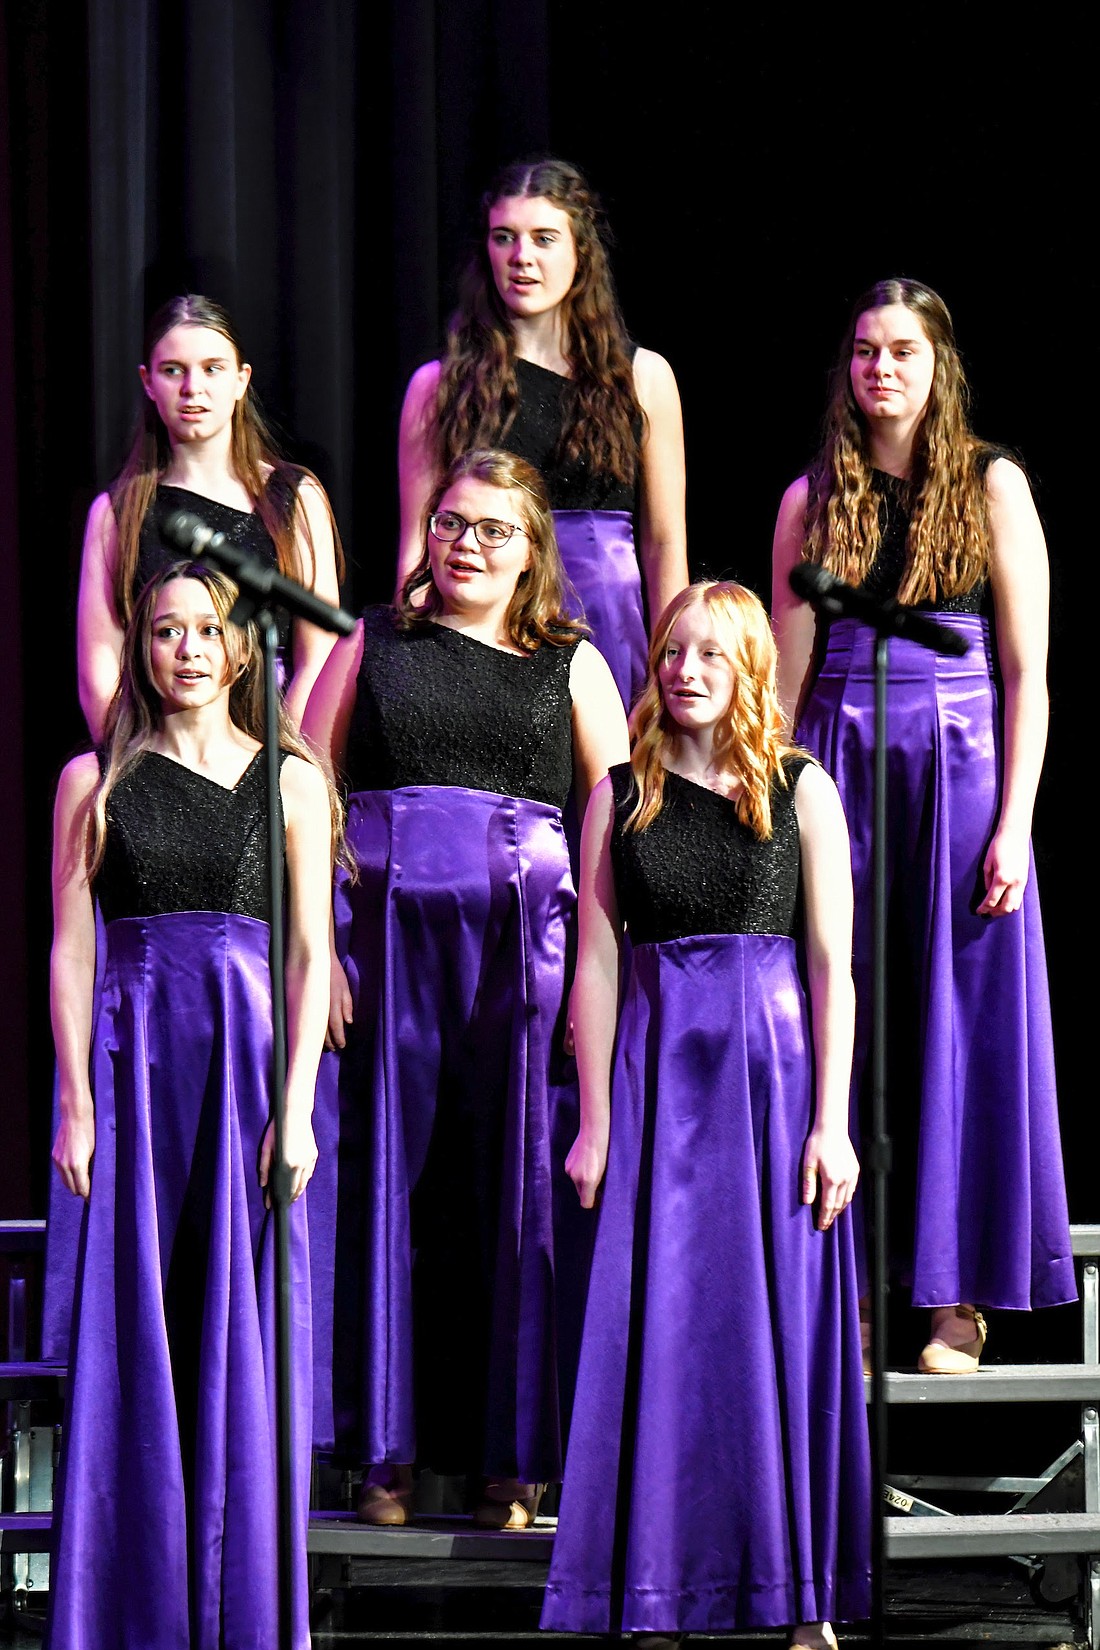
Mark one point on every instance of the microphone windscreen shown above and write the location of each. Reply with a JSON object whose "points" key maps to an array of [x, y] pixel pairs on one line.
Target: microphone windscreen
{"points": [[182, 530]]}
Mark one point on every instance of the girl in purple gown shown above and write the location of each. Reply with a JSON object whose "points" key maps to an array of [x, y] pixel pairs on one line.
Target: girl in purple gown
{"points": [[166, 1523], [903, 501], [457, 721], [201, 445], [538, 361], [717, 1476]]}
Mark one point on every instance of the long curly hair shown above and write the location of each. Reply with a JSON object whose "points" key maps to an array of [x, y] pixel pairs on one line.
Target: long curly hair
{"points": [[134, 716], [272, 484], [948, 545], [478, 394], [748, 743], [536, 613]]}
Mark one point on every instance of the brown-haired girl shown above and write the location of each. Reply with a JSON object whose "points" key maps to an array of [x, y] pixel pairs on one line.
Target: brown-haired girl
{"points": [[904, 501], [718, 1474], [457, 722], [538, 361], [201, 445], [169, 1458]]}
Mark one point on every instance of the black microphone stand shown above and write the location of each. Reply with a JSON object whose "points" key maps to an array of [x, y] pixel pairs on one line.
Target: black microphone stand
{"points": [[836, 599], [262, 590]]}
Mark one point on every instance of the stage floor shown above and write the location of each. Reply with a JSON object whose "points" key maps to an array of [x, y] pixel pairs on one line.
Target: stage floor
{"points": [[454, 1602]]}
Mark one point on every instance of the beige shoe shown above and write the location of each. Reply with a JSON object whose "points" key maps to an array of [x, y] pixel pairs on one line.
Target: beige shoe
{"points": [[814, 1635], [508, 1504], [940, 1359], [386, 1495]]}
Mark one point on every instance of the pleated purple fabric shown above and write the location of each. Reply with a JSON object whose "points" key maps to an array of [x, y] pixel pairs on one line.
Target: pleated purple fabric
{"points": [[597, 548], [991, 1219], [455, 938], [167, 1522], [717, 1476]]}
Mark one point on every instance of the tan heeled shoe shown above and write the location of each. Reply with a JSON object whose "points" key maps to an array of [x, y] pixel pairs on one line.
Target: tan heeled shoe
{"points": [[508, 1504], [817, 1635], [940, 1359], [386, 1495]]}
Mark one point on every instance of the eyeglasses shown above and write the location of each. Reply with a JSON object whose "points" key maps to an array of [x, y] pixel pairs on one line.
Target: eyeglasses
{"points": [[490, 533]]}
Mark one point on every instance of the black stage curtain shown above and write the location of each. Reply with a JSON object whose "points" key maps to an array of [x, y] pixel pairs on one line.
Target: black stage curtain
{"points": [[315, 164]]}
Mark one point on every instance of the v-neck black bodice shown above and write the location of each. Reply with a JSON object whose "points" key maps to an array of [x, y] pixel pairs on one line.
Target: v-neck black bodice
{"points": [[177, 841]]}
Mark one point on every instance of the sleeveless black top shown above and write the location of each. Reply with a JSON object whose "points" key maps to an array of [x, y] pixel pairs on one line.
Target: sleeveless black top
{"points": [[177, 841], [242, 527], [884, 578], [698, 870], [534, 436], [435, 707]]}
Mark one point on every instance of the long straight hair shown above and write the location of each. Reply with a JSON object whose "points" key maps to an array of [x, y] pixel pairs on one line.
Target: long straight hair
{"points": [[272, 485], [135, 713]]}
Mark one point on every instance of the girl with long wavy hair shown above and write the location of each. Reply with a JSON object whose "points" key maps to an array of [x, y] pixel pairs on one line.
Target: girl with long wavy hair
{"points": [[720, 1362], [201, 445], [169, 1455], [538, 361], [904, 501], [457, 722]]}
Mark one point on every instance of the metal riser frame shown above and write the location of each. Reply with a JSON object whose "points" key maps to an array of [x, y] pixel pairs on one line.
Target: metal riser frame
{"points": [[932, 1532]]}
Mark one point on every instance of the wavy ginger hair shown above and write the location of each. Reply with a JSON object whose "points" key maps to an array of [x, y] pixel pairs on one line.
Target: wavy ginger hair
{"points": [[536, 613], [478, 394], [748, 743], [948, 547]]}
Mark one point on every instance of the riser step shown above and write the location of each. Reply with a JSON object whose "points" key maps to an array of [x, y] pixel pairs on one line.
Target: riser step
{"points": [[998, 1384], [992, 1535], [341, 1533]]}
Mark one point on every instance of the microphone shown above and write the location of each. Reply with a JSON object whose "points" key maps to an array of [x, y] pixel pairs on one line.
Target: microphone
{"points": [[828, 594], [262, 584]]}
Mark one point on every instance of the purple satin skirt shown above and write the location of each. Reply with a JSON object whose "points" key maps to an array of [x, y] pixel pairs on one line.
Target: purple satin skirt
{"points": [[991, 1224], [450, 1266], [597, 548], [166, 1517], [718, 1473]]}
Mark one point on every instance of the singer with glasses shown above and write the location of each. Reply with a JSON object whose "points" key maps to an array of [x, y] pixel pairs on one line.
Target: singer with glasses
{"points": [[904, 501], [201, 445], [457, 722]]}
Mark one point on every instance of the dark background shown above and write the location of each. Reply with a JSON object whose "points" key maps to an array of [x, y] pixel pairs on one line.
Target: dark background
{"points": [[314, 164]]}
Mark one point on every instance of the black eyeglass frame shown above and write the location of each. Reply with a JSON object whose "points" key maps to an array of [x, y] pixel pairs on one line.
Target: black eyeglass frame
{"points": [[486, 521]]}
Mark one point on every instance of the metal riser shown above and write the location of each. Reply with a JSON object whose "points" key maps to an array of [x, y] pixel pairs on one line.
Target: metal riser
{"points": [[342, 1534], [1007, 1384], [997, 1535]]}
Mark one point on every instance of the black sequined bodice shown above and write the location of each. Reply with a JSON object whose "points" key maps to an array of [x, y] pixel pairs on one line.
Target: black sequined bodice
{"points": [[435, 707], [886, 573], [241, 527], [534, 435], [698, 870], [177, 841]]}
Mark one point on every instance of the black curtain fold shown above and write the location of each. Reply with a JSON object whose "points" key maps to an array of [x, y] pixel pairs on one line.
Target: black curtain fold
{"points": [[316, 164]]}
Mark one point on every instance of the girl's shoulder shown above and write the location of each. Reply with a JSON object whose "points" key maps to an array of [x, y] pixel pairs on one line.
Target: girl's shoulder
{"points": [[423, 385], [653, 376]]}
